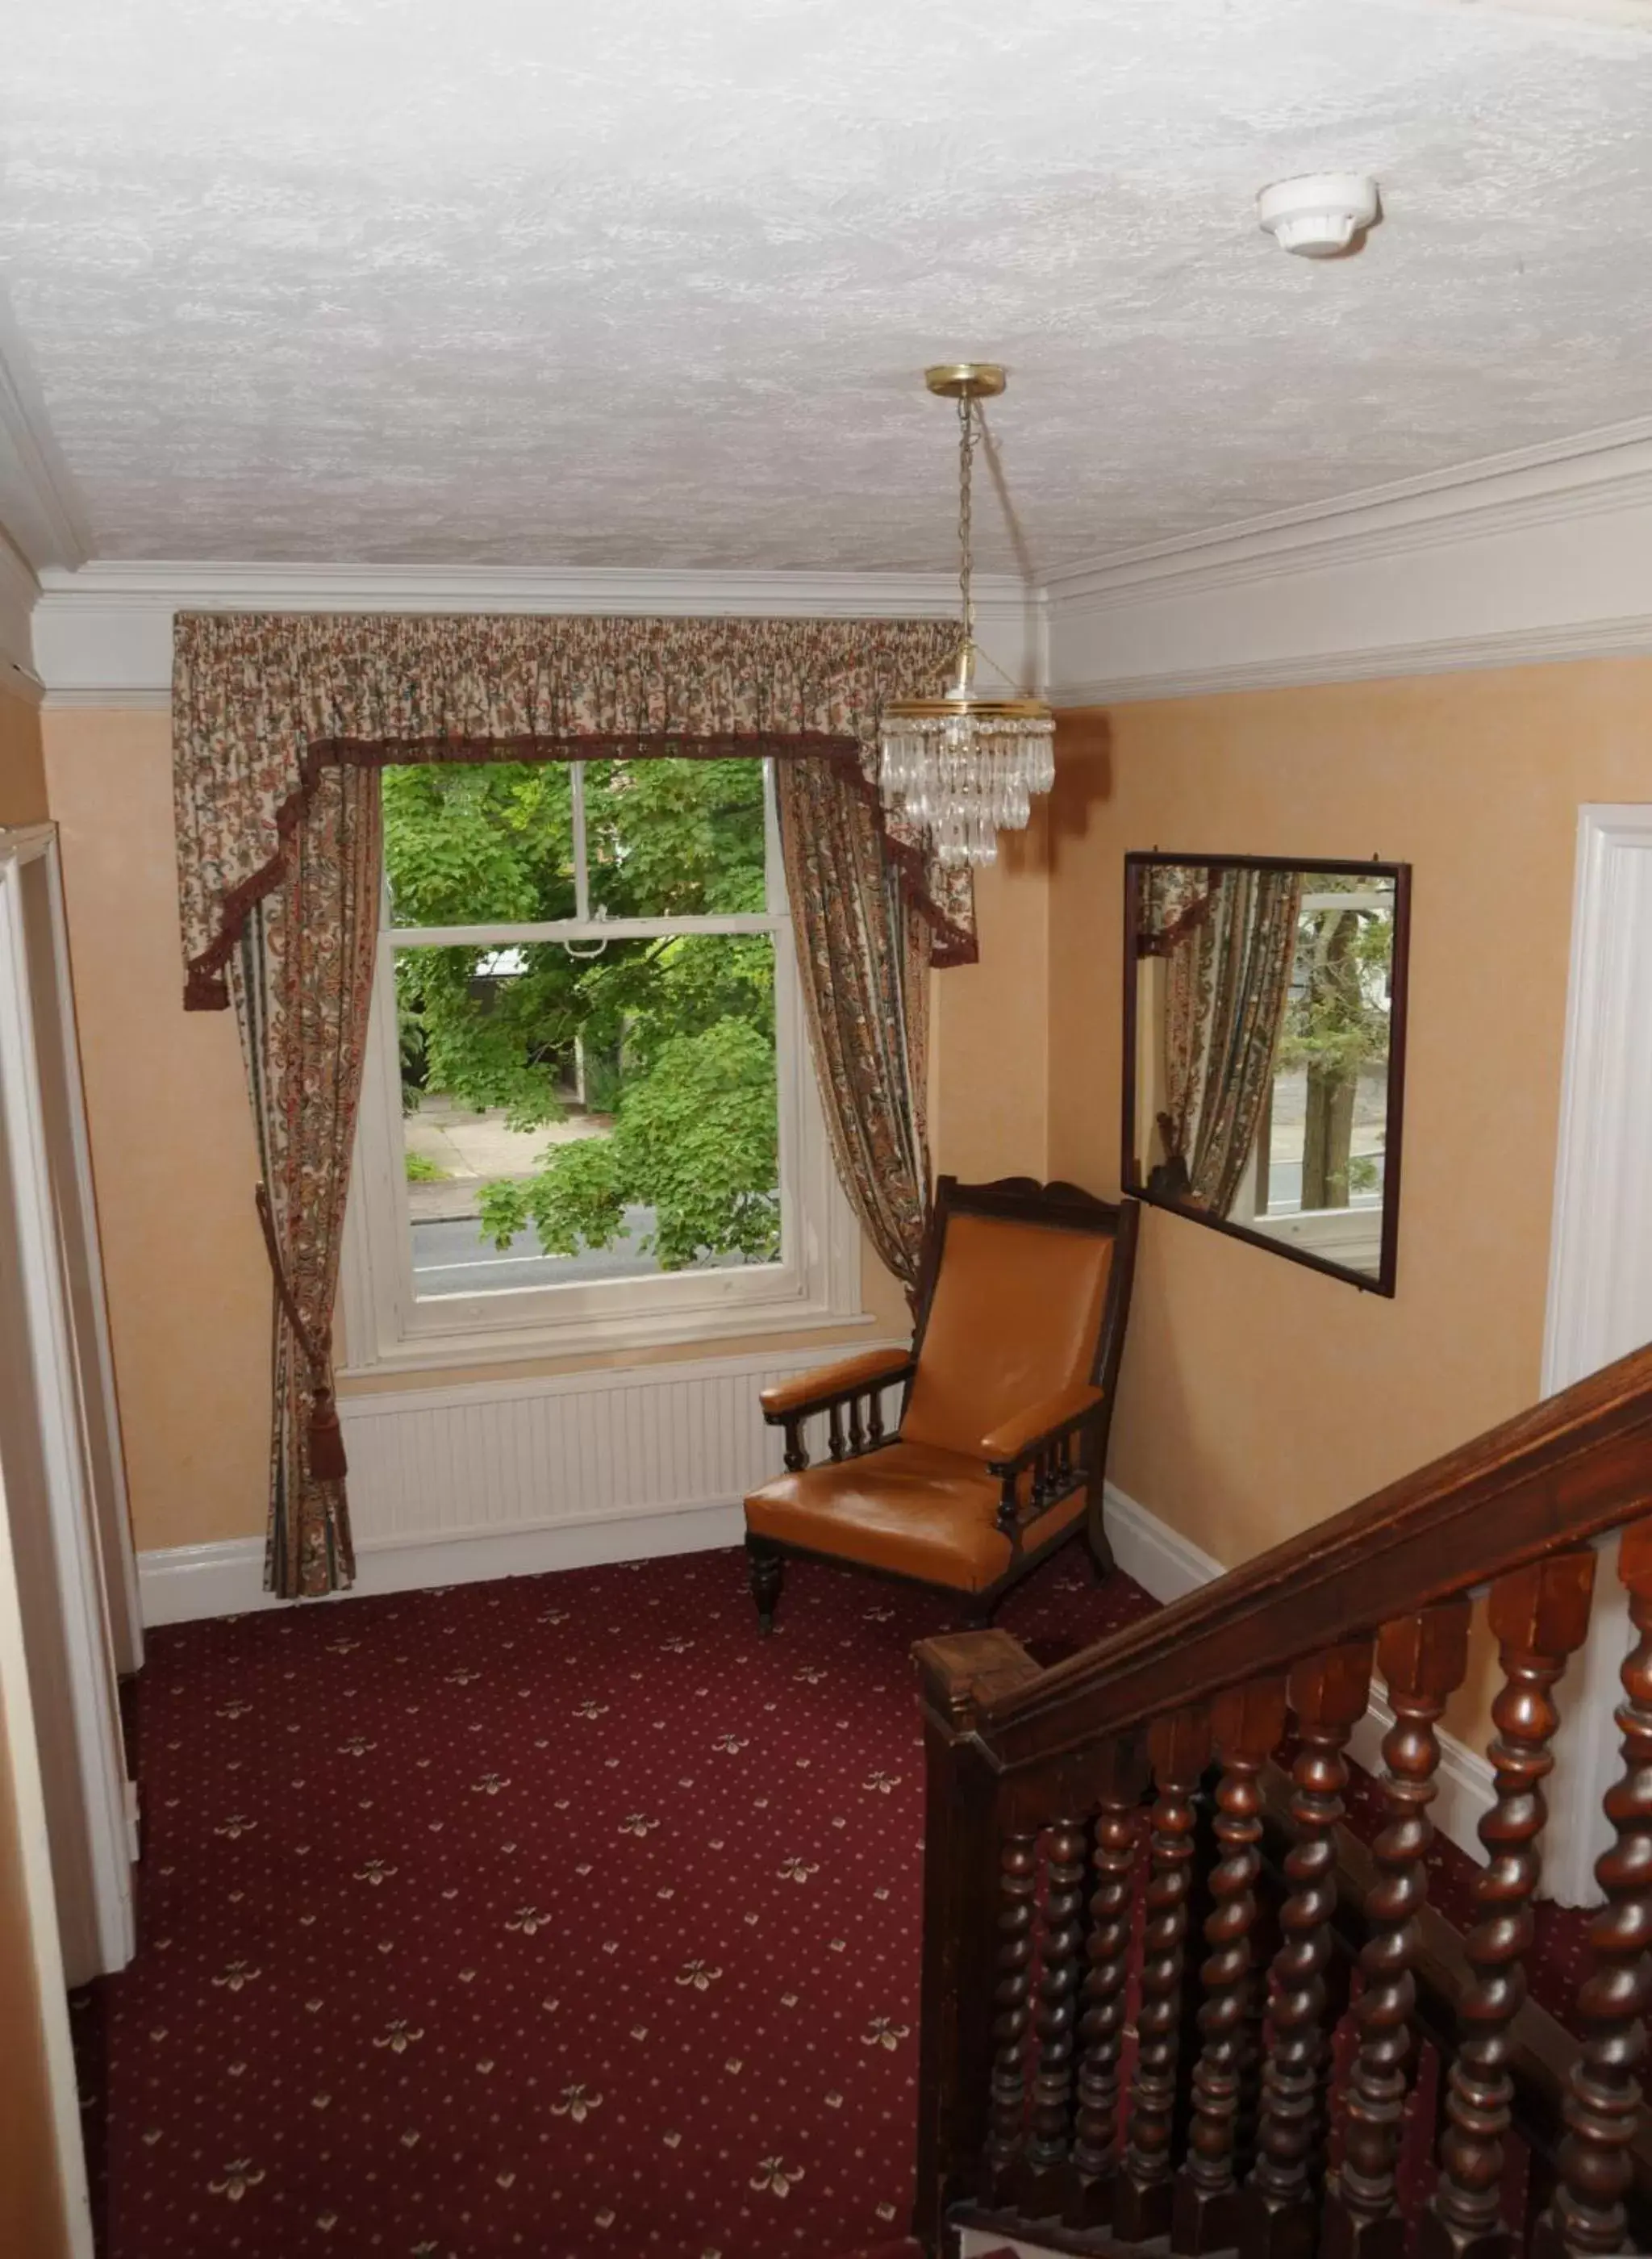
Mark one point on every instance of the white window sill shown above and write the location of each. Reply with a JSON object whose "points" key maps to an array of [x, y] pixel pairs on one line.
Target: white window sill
{"points": [[1351, 1235], [517, 1344]]}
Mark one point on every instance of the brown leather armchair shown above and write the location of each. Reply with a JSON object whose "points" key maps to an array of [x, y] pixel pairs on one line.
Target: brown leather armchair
{"points": [[1008, 1397]]}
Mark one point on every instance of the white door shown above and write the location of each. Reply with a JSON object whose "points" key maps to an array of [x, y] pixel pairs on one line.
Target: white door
{"points": [[1600, 1274], [58, 1430]]}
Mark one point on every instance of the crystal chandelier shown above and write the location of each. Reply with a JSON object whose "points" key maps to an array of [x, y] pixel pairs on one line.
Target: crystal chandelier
{"points": [[965, 765]]}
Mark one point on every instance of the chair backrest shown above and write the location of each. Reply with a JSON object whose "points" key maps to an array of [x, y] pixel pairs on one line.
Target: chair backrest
{"points": [[1017, 1304]]}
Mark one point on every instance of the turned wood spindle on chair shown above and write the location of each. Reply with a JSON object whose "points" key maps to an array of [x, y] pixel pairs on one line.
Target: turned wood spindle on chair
{"points": [[1423, 1658], [1328, 1695], [1246, 1722], [1179, 1746], [1541, 1616], [1018, 1886], [1603, 2105]]}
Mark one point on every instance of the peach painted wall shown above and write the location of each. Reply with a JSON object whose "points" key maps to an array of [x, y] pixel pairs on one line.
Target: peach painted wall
{"points": [[22, 765], [172, 1155], [1258, 1396], [990, 1025]]}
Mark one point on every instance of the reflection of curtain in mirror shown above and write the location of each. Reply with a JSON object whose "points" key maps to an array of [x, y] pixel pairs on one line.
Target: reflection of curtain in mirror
{"points": [[1229, 982]]}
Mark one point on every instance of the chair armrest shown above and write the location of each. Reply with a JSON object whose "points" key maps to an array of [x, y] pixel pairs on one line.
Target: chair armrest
{"points": [[831, 1384], [1023, 1436]]}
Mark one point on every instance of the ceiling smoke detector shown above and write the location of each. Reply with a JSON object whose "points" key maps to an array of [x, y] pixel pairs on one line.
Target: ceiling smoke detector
{"points": [[1319, 214]]}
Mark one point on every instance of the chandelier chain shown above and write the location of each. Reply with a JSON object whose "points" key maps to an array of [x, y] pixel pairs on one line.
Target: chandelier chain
{"points": [[965, 466]]}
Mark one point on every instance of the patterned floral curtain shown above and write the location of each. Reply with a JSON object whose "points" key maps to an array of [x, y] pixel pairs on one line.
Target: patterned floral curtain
{"points": [[863, 950], [1228, 985], [301, 980], [279, 723], [1175, 898], [263, 703]]}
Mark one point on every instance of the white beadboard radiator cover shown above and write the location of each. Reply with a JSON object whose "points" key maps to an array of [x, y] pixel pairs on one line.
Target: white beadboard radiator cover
{"points": [[508, 1478]]}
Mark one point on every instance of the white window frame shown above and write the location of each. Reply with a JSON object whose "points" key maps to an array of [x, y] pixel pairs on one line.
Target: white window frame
{"points": [[388, 1328]]}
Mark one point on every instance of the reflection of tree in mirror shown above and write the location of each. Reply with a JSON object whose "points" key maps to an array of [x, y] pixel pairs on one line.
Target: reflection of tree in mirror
{"points": [[671, 1035], [1336, 1024]]}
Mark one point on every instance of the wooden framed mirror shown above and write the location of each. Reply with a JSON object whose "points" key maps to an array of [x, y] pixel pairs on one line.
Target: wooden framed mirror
{"points": [[1264, 1052]]}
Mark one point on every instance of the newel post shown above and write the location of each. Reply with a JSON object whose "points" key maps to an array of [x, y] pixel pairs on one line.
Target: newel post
{"points": [[963, 1849]]}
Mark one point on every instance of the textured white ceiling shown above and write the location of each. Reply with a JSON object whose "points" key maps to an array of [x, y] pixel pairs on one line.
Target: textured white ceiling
{"points": [[650, 283]]}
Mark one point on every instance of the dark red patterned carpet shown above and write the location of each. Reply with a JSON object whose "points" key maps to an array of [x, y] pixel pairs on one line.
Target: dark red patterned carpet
{"points": [[560, 1916]]}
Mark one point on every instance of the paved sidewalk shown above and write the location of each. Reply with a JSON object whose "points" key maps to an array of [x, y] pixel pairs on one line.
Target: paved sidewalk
{"points": [[472, 1149]]}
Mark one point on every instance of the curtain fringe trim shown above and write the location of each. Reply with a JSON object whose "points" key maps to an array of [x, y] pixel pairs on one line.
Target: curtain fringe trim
{"points": [[206, 989]]}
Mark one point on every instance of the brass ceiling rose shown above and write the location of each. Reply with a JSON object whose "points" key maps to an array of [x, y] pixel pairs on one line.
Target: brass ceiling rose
{"points": [[965, 380]]}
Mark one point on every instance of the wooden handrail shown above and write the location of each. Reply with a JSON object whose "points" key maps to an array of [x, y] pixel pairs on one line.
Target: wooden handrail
{"points": [[1570, 1469], [1036, 1779]]}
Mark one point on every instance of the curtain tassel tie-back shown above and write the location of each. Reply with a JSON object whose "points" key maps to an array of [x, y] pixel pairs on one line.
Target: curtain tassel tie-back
{"points": [[327, 1461], [323, 1436]]}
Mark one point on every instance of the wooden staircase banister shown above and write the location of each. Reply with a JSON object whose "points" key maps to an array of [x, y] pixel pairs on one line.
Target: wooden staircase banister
{"points": [[1568, 1469], [1098, 1848]]}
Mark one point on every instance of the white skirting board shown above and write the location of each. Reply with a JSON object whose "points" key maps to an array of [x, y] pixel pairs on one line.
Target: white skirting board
{"points": [[512, 1478], [1169, 1566]]}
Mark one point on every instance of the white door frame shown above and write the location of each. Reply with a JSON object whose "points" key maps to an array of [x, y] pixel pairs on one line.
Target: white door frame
{"points": [[1600, 1272], [76, 1546], [40, 1896], [95, 1358]]}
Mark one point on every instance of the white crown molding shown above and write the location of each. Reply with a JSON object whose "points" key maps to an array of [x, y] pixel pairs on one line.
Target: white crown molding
{"points": [[1592, 471], [1543, 556], [103, 634], [1624, 639]]}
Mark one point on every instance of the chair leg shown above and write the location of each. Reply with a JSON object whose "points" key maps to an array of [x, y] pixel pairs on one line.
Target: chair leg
{"points": [[767, 1573]]}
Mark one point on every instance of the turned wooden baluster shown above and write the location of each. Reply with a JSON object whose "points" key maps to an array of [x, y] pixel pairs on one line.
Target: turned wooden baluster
{"points": [[1540, 1615], [1101, 2025], [795, 1455], [1587, 2214], [874, 1420], [1044, 2183], [1179, 1746], [1329, 1695], [1246, 1722], [1423, 1658], [1017, 1886]]}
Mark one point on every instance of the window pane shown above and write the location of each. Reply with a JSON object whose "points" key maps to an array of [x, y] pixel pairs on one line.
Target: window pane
{"points": [[570, 1118], [471, 845], [675, 838], [1327, 1118]]}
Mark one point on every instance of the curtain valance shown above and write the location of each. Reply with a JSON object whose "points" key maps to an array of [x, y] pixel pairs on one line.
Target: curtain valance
{"points": [[263, 702]]}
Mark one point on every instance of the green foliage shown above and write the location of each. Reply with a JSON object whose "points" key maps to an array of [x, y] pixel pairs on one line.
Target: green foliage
{"points": [[1337, 1018], [421, 1170], [676, 1034], [694, 1139], [475, 844]]}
